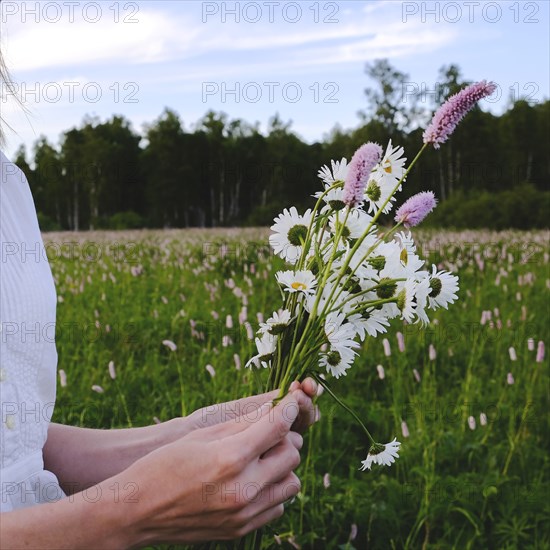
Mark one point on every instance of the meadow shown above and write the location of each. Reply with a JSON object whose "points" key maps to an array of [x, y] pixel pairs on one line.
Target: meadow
{"points": [[467, 396]]}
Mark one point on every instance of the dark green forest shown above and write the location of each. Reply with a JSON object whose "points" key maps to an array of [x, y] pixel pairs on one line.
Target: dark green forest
{"points": [[493, 172]]}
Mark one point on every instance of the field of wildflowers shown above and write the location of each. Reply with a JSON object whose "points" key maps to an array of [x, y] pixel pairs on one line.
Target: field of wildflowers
{"points": [[155, 324]]}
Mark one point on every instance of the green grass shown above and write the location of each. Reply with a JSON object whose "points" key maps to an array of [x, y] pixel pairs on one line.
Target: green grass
{"points": [[453, 487]]}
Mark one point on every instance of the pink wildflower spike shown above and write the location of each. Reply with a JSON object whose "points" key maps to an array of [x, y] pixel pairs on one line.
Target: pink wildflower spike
{"points": [[359, 169], [211, 370], [448, 116], [170, 345], [415, 209], [62, 378], [387, 348], [540, 352], [112, 371], [400, 342]]}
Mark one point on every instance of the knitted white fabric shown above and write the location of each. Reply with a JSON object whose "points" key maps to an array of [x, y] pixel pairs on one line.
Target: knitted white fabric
{"points": [[28, 356]]}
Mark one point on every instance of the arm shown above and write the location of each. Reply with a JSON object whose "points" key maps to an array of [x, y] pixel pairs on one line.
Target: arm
{"points": [[175, 497], [82, 457], [74, 522]]}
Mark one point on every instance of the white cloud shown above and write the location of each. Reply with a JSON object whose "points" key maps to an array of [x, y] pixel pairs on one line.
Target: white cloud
{"points": [[163, 36], [30, 46]]}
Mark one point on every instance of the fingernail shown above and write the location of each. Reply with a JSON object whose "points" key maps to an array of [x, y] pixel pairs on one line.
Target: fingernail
{"points": [[291, 411]]}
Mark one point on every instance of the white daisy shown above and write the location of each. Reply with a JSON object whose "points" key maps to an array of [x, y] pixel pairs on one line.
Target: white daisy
{"points": [[406, 240], [289, 234], [390, 310], [377, 191], [369, 322], [444, 287], [408, 258], [266, 348], [343, 295], [356, 223], [297, 281], [337, 362], [386, 288], [405, 300], [276, 323], [422, 291], [386, 260], [338, 172], [340, 334], [333, 198], [384, 455], [364, 269], [392, 166]]}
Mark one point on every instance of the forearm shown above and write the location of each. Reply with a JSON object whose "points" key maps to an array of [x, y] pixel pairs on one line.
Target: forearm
{"points": [[76, 522], [82, 457]]}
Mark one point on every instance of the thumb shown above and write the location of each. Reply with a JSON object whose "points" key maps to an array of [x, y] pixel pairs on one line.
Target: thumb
{"points": [[269, 427]]}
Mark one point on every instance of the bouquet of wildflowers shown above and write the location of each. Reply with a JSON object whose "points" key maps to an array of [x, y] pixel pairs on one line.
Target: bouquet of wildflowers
{"points": [[346, 279]]}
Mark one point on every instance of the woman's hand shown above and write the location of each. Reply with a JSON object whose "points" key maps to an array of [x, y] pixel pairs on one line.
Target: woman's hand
{"points": [[215, 483], [219, 482], [221, 412], [82, 457]]}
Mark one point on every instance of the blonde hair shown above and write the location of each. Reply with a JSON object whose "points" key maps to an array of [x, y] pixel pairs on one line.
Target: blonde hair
{"points": [[6, 84]]}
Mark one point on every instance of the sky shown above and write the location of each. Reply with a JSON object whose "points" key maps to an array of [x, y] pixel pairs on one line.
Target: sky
{"points": [[304, 61]]}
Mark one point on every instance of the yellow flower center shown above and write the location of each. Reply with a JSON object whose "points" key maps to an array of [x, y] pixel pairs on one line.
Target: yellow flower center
{"points": [[298, 286], [387, 168]]}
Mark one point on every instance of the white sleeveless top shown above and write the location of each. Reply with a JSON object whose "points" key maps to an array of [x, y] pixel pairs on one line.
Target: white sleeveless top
{"points": [[28, 356]]}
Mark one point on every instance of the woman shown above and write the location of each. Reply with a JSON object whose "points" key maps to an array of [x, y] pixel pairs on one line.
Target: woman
{"points": [[207, 476]]}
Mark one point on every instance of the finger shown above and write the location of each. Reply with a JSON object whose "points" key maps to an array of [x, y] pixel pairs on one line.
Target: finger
{"points": [[294, 386], [270, 428], [272, 508], [308, 412], [309, 387], [221, 412], [234, 425], [292, 439], [296, 439], [265, 517], [277, 463], [274, 495]]}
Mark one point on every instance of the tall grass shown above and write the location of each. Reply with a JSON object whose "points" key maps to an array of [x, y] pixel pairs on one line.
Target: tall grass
{"points": [[456, 485]]}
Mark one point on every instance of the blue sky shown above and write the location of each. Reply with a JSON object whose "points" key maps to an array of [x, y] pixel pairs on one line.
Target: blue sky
{"points": [[303, 60]]}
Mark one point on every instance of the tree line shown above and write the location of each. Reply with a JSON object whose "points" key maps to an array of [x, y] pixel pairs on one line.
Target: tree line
{"points": [[225, 172]]}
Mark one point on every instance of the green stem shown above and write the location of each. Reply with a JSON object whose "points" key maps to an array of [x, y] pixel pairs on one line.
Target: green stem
{"points": [[124, 405], [331, 393], [313, 312]]}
